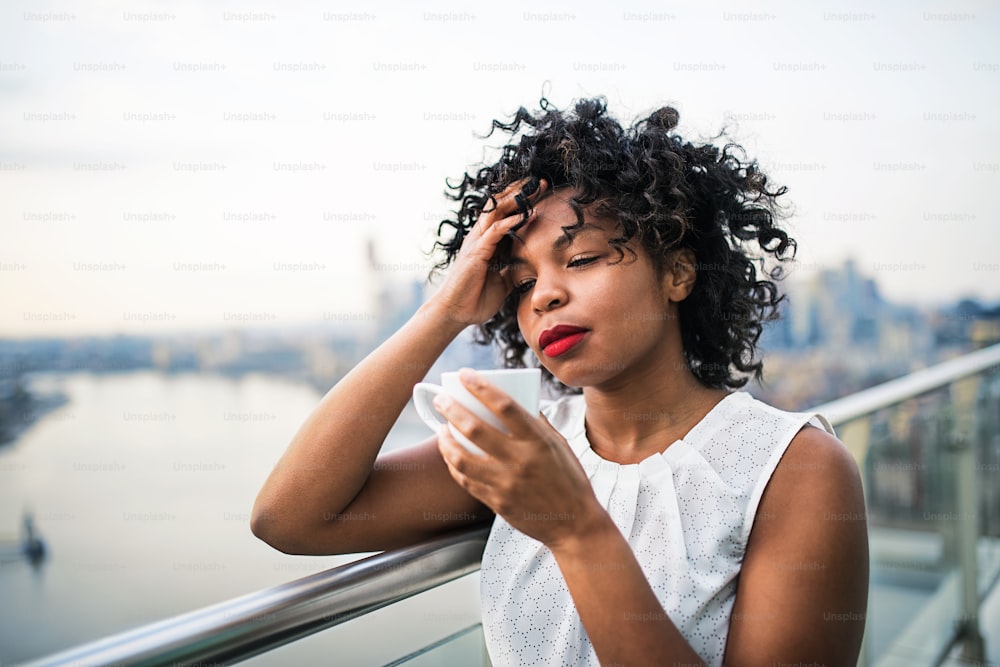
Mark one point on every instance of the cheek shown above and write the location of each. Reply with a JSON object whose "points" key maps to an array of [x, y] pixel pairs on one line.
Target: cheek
{"points": [[630, 290], [523, 310]]}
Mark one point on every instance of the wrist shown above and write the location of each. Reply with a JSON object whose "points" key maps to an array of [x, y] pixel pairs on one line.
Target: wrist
{"points": [[592, 527], [435, 315]]}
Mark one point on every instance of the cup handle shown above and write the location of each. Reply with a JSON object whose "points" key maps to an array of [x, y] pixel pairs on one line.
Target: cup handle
{"points": [[423, 394]]}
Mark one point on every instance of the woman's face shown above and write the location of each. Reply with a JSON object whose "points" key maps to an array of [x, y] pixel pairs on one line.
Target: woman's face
{"points": [[591, 315]]}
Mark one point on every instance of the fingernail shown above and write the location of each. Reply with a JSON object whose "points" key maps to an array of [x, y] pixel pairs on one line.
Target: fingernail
{"points": [[530, 188], [442, 402], [470, 378]]}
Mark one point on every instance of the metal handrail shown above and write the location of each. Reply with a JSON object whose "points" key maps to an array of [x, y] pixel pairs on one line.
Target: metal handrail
{"points": [[865, 402], [241, 628]]}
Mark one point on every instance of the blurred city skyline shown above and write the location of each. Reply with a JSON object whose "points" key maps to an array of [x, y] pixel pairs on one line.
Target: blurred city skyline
{"points": [[199, 166], [837, 334]]}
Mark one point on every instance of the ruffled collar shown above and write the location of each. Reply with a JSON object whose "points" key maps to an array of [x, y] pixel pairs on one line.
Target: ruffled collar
{"points": [[575, 433]]}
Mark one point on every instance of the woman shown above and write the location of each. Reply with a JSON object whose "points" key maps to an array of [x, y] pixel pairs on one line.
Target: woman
{"points": [[654, 517]]}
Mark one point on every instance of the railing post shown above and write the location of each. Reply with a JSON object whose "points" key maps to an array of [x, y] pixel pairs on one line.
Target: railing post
{"points": [[964, 393]]}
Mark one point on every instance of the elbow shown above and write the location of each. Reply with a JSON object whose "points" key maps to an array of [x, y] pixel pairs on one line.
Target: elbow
{"points": [[266, 527], [262, 522], [280, 534]]}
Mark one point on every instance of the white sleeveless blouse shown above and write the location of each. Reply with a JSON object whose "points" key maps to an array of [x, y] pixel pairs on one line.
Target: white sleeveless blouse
{"points": [[686, 512]]}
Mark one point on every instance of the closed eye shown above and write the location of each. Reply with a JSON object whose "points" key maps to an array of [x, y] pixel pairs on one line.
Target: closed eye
{"points": [[583, 261], [525, 285]]}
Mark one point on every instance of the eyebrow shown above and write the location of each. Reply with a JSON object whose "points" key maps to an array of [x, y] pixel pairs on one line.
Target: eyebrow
{"points": [[561, 243]]}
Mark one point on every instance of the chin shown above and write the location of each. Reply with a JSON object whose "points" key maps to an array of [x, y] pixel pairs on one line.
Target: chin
{"points": [[565, 378], [569, 384], [579, 375]]}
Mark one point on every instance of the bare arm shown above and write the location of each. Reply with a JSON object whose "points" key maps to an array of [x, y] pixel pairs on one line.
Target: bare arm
{"points": [[308, 496], [623, 617], [803, 588], [328, 493]]}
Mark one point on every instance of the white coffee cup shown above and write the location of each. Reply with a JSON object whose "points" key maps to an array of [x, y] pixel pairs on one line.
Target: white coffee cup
{"points": [[523, 385]]}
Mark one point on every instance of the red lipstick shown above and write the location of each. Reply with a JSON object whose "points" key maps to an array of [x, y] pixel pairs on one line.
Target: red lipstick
{"points": [[560, 339]]}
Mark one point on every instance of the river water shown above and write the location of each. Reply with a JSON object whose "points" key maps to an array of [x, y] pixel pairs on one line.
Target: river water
{"points": [[141, 486]]}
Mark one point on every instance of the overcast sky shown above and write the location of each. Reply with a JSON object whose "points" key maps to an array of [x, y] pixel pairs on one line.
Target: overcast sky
{"points": [[197, 165]]}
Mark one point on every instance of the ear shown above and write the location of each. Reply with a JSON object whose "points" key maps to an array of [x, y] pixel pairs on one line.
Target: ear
{"points": [[679, 275]]}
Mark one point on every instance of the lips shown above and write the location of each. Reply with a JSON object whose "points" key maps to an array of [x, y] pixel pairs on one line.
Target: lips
{"points": [[560, 339]]}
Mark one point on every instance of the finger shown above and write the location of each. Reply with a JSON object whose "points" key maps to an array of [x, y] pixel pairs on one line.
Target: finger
{"points": [[450, 451], [529, 194], [498, 205], [518, 421], [470, 471], [454, 455], [502, 227], [517, 197], [492, 224], [487, 437], [486, 242], [509, 195], [532, 186], [526, 195]]}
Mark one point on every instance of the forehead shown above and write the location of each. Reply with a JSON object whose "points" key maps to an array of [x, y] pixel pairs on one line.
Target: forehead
{"points": [[554, 215]]}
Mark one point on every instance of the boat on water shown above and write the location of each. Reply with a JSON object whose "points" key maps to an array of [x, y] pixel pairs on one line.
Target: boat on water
{"points": [[30, 546]]}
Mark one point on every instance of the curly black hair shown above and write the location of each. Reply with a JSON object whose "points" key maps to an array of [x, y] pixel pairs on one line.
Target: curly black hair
{"points": [[667, 193]]}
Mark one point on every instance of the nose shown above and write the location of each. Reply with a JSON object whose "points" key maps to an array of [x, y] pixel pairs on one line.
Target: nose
{"points": [[548, 294]]}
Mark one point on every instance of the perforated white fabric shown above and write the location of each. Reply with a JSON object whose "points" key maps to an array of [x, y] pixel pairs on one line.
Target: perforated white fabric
{"points": [[686, 512]]}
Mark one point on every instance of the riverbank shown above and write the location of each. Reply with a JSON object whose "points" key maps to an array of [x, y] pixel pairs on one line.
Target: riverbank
{"points": [[21, 406]]}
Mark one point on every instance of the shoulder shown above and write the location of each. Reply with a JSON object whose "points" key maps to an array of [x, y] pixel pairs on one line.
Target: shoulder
{"points": [[817, 478], [807, 556], [812, 514], [816, 464], [801, 447]]}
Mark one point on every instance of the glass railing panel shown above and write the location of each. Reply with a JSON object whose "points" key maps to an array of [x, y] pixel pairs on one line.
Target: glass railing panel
{"points": [[384, 636], [930, 471], [464, 648], [908, 486]]}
